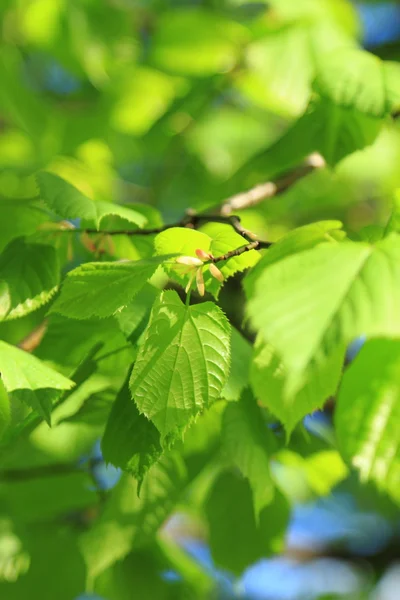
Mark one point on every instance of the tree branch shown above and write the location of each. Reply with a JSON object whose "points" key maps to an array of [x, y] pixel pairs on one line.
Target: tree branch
{"points": [[237, 202], [265, 191]]}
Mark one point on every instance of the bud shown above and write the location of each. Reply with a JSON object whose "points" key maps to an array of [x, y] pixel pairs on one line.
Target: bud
{"points": [[203, 255], [200, 282], [215, 272], [189, 260]]}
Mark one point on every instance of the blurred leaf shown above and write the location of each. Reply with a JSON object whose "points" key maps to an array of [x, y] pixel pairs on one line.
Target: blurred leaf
{"points": [[182, 364], [248, 444], [56, 566], [196, 42], [50, 496], [129, 521], [5, 411], [29, 380], [341, 78], [18, 218], [130, 440], [367, 415], [236, 540], [240, 365], [142, 98], [29, 277]]}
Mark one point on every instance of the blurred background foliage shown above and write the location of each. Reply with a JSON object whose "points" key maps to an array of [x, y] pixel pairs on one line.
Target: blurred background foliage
{"points": [[177, 104]]}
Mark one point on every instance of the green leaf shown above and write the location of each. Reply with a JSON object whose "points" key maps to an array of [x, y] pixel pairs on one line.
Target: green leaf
{"points": [[342, 79], [225, 239], [297, 240], [49, 497], [268, 379], [240, 365], [236, 539], [5, 410], [29, 277], [215, 238], [141, 571], [29, 380], [334, 131], [195, 42], [102, 289], [137, 312], [56, 567], [367, 415], [130, 440], [70, 203], [311, 305], [129, 521], [393, 225], [248, 444], [18, 218], [182, 364]]}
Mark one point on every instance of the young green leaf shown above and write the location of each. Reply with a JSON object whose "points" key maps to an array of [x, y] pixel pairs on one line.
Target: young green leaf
{"points": [[214, 238], [367, 415], [70, 203], [248, 443], [29, 277], [102, 289], [182, 364], [30, 380], [310, 305], [130, 440]]}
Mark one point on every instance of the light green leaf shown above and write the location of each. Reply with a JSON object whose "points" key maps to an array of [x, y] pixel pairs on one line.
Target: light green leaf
{"points": [[225, 239], [367, 415], [182, 364], [130, 440], [196, 42], [70, 203], [311, 305], [268, 378], [30, 380], [102, 289], [393, 225], [240, 365], [129, 521], [295, 241], [247, 442], [29, 277], [342, 79], [215, 238]]}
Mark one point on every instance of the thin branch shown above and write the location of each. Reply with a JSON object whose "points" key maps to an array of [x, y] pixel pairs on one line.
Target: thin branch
{"points": [[270, 189], [238, 202], [256, 245]]}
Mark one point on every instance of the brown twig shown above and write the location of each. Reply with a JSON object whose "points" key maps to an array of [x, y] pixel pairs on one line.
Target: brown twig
{"points": [[270, 189]]}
